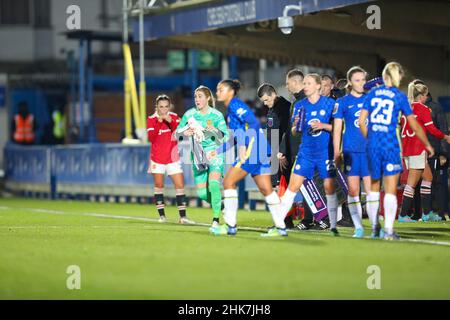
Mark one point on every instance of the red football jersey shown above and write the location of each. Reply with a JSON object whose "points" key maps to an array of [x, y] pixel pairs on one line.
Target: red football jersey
{"points": [[412, 146], [164, 148]]}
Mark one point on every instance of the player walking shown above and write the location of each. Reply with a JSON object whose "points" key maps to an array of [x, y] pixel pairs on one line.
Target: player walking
{"points": [[315, 152], [252, 159], [347, 110], [381, 107], [415, 154], [215, 133], [164, 156]]}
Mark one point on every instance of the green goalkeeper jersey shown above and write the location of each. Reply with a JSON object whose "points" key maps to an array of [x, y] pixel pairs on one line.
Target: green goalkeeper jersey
{"points": [[214, 118]]}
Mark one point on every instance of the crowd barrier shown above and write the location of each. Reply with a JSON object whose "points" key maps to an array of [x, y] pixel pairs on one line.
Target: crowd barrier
{"points": [[101, 172]]}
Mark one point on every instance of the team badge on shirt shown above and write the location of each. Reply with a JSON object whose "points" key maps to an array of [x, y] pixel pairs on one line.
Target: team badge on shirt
{"points": [[336, 107], [240, 112]]}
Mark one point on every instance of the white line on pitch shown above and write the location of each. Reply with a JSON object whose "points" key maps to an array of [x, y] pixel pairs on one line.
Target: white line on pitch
{"points": [[103, 215]]}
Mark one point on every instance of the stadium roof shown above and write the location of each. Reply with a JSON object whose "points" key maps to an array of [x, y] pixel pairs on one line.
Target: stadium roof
{"points": [[328, 33], [183, 17]]}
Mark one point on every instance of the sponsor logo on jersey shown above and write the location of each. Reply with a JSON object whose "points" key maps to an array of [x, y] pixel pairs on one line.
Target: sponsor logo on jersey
{"points": [[314, 113], [381, 128], [240, 112], [330, 165], [317, 133], [161, 131], [209, 122], [356, 123], [335, 108]]}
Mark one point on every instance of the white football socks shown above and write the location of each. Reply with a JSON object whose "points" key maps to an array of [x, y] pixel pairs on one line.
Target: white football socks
{"points": [[372, 205], [332, 204], [390, 211], [354, 206], [274, 204], [230, 202], [286, 203]]}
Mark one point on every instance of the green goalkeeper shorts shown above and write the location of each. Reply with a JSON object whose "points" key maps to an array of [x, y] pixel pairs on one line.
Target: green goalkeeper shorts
{"points": [[216, 165]]}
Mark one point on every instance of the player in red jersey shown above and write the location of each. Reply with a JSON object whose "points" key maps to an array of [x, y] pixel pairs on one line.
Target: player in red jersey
{"points": [[164, 156], [415, 155]]}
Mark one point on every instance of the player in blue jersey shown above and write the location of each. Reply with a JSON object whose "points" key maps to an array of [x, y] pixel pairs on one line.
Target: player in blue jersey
{"points": [[382, 107], [347, 110], [313, 116], [253, 158]]}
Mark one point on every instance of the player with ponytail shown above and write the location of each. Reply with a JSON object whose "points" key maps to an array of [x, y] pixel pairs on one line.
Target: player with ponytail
{"points": [[347, 110], [253, 159], [312, 117], [214, 132], [415, 155], [381, 108]]}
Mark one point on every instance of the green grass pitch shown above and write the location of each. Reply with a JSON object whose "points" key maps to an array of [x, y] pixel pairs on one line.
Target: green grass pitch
{"points": [[123, 253]]}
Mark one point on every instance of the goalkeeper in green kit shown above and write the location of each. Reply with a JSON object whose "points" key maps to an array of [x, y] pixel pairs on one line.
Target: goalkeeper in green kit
{"points": [[206, 127]]}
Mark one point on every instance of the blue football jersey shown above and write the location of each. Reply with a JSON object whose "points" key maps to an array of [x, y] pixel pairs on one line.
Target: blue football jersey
{"points": [[245, 127], [348, 108], [384, 105], [318, 142]]}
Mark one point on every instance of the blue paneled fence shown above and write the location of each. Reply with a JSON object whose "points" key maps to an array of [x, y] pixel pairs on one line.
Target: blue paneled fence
{"points": [[110, 172]]}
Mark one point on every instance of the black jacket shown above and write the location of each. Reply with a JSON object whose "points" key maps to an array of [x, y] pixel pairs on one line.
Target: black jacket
{"points": [[277, 117], [441, 147], [289, 144]]}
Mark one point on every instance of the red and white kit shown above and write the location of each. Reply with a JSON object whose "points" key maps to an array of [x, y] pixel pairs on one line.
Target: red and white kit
{"points": [[414, 151], [164, 156]]}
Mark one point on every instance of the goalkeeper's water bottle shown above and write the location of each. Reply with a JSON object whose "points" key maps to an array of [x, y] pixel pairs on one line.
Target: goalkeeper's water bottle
{"points": [[301, 118]]}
